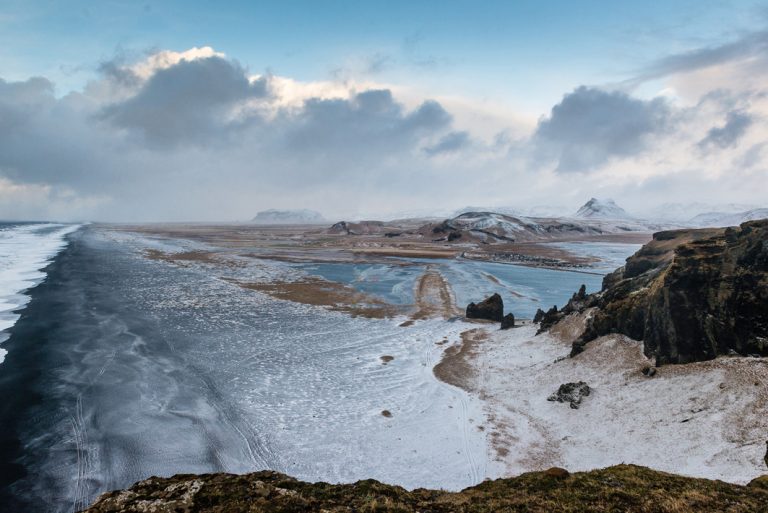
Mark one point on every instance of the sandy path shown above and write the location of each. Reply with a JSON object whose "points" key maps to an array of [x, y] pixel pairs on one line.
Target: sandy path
{"points": [[433, 297]]}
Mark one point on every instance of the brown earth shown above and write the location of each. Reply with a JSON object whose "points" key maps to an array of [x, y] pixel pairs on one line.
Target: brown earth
{"points": [[329, 294], [457, 365]]}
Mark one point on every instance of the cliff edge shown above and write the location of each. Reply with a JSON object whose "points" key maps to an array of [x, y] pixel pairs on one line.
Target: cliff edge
{"points": [[689, 295], [626, 488]]}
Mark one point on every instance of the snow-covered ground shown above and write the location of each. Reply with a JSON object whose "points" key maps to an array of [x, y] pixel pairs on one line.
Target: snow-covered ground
{"points": [[173, 367], [705, 419]]}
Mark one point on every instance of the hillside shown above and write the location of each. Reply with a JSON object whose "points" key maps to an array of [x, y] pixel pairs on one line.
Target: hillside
{"points": [[625, 488]]}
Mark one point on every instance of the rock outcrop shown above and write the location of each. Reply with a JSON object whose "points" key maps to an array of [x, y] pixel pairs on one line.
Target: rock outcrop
{"points": [[689, 295], [626, 488], [508, 321], [491, 308]]}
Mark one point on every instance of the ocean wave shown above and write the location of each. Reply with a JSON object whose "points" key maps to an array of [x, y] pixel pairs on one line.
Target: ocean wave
{"points": [[25, 251]]}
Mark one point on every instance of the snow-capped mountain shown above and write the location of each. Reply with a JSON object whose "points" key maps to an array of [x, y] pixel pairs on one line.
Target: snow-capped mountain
{"points": [[684, 212], [601, 209], [507, 211], [302, 216], [718, 219]]}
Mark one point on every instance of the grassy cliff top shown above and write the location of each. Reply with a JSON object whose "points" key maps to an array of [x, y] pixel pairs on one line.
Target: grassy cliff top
{"points": [[623, 488]]}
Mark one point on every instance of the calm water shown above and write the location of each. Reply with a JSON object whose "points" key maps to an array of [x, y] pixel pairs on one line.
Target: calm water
{"points": [[523, 289]]}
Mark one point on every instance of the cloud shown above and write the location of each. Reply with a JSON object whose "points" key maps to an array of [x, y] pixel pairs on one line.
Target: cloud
{"points": [[19, 99], [195, 136], [728, 135], [23, 201], [449, 143], [748, 46], [189, 101], [189, 136], [590, 126]]}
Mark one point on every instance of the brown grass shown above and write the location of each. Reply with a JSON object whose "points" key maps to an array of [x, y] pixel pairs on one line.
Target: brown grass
{"points": [[329, 294]]}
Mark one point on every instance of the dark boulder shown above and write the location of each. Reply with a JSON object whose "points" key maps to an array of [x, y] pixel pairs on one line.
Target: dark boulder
{"points": [[491, 308], [571, 393], [508, 321]]}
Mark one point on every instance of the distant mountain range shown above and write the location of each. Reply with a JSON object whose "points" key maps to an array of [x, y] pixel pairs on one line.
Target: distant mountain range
{"points": [[719, 219], [302, 216], [684, 212], [601, 215]]}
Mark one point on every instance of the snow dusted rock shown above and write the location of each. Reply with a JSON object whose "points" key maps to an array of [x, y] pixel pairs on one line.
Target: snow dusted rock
{"points": [[492, 309], [571, 393]]}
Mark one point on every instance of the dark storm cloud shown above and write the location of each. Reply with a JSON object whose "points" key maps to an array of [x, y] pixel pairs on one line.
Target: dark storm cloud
{"points": [[187, 102], [749, 45], [728, 135], [591, 126], [368, 124], [449, 143], [199, 130], [115, 70], [20, 100]]}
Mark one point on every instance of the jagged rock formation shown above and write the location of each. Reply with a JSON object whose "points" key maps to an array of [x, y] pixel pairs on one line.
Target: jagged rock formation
{"points": [[689, 295], [626, 488], [577, 303], [508, 321], [491, 308]]}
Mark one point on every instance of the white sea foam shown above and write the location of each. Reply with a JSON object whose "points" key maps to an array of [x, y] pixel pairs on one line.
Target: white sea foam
{"points": [[25, 250]]}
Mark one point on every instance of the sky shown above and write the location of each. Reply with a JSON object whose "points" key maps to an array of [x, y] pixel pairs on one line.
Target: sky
{"points": [[213, 111]]}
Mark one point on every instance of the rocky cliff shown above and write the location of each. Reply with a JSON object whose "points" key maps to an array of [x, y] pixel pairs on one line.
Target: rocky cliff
{"points": [[626, 488], [689, 295]]}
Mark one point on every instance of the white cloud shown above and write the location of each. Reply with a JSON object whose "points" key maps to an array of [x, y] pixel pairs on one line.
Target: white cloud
{"points": [[195, 135], [24, 201]]}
